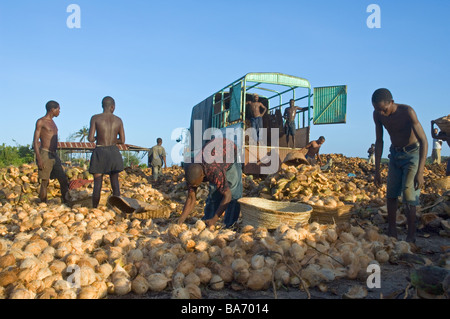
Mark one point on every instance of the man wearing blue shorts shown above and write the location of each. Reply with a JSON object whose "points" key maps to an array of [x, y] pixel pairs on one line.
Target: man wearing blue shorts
{"points": [[407, 157]]}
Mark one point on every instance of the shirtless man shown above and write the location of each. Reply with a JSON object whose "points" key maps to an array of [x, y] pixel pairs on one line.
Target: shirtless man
{"points": [[106, 158], [49, 164], [289, 116], [313, 151], [407, 157], [256, 115]]}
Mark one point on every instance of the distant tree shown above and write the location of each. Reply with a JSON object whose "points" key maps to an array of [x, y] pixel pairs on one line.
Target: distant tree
{"points": [[82, 134]]}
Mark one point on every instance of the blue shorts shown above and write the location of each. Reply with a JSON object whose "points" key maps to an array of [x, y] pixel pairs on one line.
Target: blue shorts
{"points": [[257, 124], [403, 166], [290, 128]]}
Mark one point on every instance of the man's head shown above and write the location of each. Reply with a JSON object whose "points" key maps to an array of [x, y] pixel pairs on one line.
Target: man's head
{"points": [[435, 131], [159, 141], [52, 106], [255, 97], [321, 140], [194, 174], [382, 101], [291, 102], [108, 103]]}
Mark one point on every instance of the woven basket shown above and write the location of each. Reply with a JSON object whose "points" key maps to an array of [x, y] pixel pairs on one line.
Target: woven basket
{"points": [[136, 208], [260, 212], [444, 124], [325, 215]]}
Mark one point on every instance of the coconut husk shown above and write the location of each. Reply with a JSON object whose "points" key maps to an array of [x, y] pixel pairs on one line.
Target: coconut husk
{"points": [[137, 208]]}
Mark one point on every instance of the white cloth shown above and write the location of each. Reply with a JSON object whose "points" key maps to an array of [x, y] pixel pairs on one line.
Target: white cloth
{"points": [[437, 144]]}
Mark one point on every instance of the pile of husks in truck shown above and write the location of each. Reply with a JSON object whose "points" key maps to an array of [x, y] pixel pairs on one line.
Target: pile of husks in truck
{"points": [[56, 251]]}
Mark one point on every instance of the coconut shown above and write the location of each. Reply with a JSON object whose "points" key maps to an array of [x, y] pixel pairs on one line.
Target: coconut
{"points": [[186, 266], [87, 276], [35, 286], [382, 256], [180, 293], [216, 282], [204, 274], [139, 285], [105, 270], [282, 275], [257, 262], [122, 286], [194, 291], [192, 278], [355, 292], [239, 265], [88, 293], [402, 247], [22, 293], [67, 294], [157, 282], [259, 279], [7, 260], [178, 280], [135, 255], [201, 246]]}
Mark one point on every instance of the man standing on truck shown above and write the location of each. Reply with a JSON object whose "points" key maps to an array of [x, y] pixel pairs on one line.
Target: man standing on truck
{"points": [[289, 116], [257, 111], [216, 164], [407, 157], [106, 158], [48, 162]]}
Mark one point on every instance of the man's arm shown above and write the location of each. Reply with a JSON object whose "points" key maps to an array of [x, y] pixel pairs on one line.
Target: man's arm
{"points": [[188, 205], [92, 128], [264, 109], [37, 134], [423, 150], [121, 139], [379, 144]]}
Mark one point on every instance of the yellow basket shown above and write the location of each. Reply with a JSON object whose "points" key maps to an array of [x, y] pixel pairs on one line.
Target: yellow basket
{"points": [[261, 212], [325, 215]]}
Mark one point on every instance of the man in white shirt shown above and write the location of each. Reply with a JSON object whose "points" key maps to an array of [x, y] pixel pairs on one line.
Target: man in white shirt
{"points": [[437, 146]]}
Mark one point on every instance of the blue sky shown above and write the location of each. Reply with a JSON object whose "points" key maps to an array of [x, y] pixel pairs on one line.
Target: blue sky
{"points": [[158, 59]]}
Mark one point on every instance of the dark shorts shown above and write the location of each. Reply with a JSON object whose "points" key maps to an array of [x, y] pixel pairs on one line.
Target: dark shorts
{"points": [[52, 166], [403, 166], [106, 160], [290, 128]]}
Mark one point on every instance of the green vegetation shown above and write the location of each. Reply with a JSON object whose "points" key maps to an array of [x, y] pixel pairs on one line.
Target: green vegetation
{"points": [[15, 155]]}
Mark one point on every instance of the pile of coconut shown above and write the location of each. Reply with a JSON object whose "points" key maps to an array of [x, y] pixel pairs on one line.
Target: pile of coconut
{"points": [[60, 252]]}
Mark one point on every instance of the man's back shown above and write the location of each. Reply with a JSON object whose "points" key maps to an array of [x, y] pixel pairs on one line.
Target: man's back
{"points": [[157, 153], [107, 126]]}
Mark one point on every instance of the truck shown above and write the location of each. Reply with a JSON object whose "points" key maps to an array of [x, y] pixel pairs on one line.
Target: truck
{"points": [[225, 113]]}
